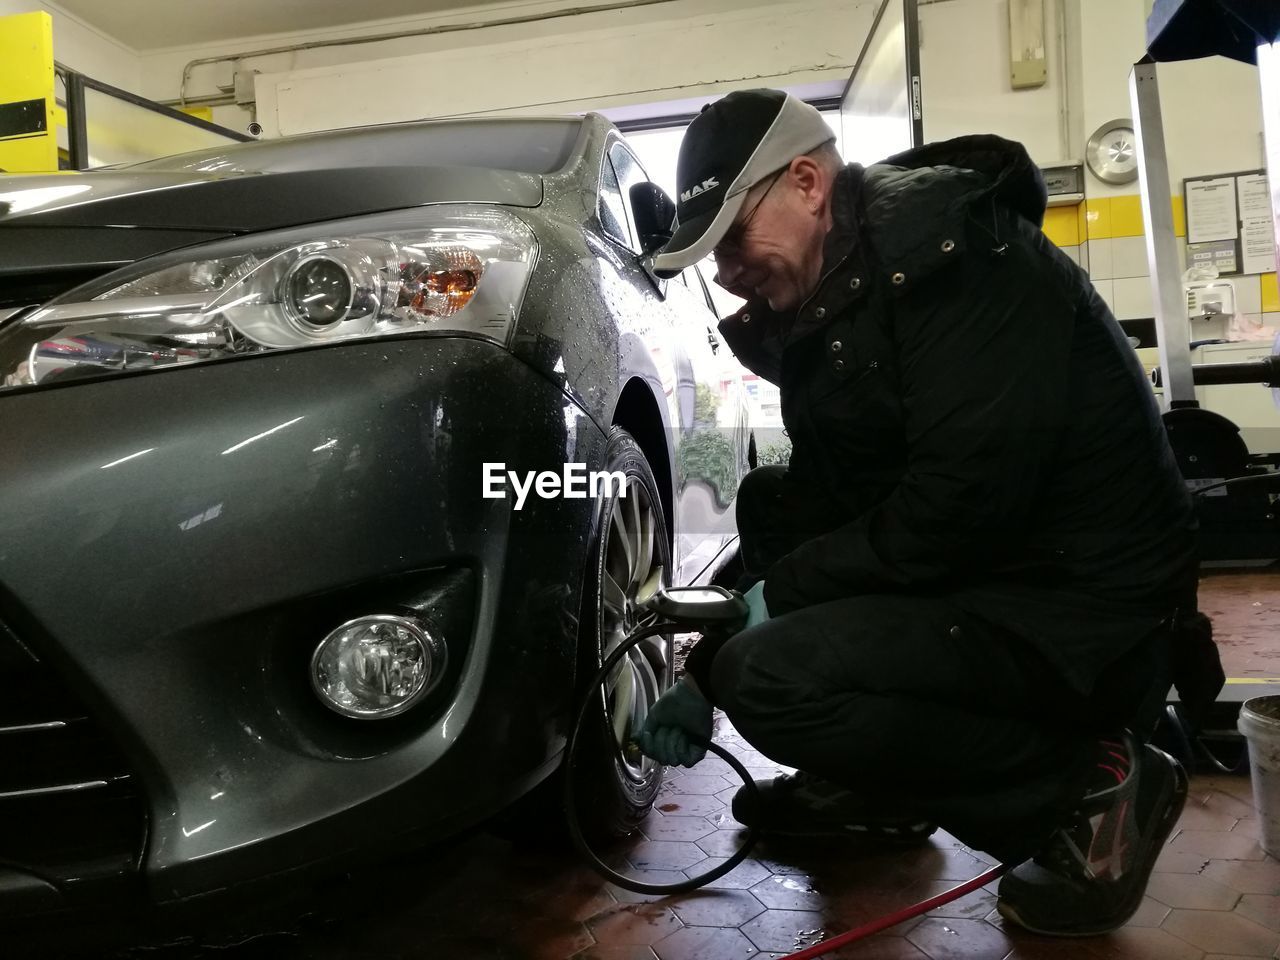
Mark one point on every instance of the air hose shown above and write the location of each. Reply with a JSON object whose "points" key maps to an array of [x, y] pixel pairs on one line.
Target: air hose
{"points": [[571, 800], [699, 607]]}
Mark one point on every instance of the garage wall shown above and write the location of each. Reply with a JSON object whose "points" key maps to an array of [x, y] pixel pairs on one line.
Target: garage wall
{"points": [[683, 51], [964, 67], [1213, 124], [674, 51], [81, 47], [670, 51], [698, 49]]}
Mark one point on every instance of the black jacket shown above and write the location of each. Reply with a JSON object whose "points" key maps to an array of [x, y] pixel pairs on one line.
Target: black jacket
{"points": [[968, 407]]}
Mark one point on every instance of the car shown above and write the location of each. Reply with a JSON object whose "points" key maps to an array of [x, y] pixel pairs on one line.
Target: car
{"points": [[270, 598]]}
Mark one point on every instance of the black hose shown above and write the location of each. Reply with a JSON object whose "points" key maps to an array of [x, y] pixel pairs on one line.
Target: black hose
{"points": [[571, 800]]}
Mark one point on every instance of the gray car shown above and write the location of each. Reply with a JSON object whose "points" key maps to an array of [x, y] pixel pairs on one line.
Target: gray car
{"points": [[269, 597]]}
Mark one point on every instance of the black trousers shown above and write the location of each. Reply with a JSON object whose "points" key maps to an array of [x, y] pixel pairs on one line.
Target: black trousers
{"points": [[913, 703]]}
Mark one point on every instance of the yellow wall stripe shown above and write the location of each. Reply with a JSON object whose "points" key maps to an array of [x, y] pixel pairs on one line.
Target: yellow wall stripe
{"points": [[1098, 216], [1061, 225], [1126, 216], [1270, 294], [1105, 218], [1179, 216]]}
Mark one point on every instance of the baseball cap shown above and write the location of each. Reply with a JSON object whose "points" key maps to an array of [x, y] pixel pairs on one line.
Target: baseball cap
{"points": [[730, 147]]}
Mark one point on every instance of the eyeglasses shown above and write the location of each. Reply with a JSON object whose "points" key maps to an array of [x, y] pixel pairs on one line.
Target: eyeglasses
{"points": [[731, 243]]}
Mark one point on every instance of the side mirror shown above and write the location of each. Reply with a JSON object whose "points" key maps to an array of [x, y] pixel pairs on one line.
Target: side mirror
{"points": [[655, 215]]}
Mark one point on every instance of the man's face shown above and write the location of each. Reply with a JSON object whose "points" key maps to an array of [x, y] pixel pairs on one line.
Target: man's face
{"points": [[773, 250]]}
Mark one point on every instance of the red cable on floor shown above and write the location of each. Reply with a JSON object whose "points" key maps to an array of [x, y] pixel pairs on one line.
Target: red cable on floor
{"points": [[893, 919]]}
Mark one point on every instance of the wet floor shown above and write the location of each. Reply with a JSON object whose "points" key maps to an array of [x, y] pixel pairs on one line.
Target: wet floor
{"points": [[1214, 894]]}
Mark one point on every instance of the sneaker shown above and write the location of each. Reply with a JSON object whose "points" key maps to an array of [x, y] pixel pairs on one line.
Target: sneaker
{"points": [[1090, 877], [802, 805]]}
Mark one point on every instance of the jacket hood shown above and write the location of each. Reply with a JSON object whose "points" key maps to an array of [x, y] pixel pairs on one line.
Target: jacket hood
{"points": [[910, 213], [1004, 169], [913, 208]]}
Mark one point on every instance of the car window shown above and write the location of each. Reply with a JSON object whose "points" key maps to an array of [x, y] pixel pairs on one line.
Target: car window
{"points": [[629, 173], [698, 284], [613, 212], [722, 301]]}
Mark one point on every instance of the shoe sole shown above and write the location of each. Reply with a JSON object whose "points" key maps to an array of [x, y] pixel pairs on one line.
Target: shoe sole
{"points": [[1172, 800]]}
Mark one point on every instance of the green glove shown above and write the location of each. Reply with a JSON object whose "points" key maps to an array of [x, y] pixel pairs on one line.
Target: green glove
{"points": [[677, 715], [757, 610]]}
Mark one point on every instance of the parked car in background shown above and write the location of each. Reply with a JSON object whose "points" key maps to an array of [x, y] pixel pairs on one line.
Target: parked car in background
{"points": [[256, 609]]}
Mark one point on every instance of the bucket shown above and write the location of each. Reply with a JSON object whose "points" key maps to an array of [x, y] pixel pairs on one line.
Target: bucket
{"points": [[1260, 723]]}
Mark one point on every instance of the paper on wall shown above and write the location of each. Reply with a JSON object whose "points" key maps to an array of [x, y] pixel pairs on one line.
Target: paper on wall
{"points": [[1257, 228], [1211, 210]]}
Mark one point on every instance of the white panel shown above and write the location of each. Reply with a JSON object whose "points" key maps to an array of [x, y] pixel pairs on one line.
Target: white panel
{"points": [[1104, 288], [1129, 257], [964, 70], [1248, 405], [1223, 92], [84, 47], [1248, 294], [1113, 36], [1271, 319], [573, 72], [151, 24], [1073, 253], [1133, 298], [1100, 260]]}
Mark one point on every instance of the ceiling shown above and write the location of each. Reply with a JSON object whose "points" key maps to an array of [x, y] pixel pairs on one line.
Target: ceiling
{"points": [[152, 24]]}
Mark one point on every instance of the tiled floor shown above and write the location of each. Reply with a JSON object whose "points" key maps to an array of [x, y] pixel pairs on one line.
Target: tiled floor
{"points": [[1214, 894]]}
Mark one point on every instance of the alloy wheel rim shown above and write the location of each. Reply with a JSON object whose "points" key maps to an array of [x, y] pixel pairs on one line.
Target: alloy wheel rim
{"points": [[631, 560]]}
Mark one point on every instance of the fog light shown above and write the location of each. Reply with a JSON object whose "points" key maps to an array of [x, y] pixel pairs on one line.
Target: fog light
{"points": [[377, 666]]}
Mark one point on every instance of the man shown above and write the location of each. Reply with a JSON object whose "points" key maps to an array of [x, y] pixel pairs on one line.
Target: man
{"points": [[970, 564]]}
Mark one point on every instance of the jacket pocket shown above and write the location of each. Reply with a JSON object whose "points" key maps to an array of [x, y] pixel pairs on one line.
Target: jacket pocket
{"points": [[845, 386]]}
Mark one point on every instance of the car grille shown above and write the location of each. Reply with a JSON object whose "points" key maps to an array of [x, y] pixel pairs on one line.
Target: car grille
{"points": [[70, 809]]}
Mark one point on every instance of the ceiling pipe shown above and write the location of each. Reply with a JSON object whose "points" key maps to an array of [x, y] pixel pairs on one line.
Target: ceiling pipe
{"points": [[400, 35]]}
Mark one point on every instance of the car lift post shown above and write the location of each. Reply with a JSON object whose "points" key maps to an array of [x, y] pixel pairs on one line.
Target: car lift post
{"points": [[1172, 329], [29, 113]]}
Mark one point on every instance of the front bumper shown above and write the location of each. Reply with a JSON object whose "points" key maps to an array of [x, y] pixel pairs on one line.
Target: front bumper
{"points": [[174, 544]]}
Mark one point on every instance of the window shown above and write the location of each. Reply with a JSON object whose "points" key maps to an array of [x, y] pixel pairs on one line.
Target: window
{"points": [[629, 173], [613, 213]]}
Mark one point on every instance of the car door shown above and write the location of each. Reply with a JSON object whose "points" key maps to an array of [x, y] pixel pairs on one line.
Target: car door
{"points": [[710, 444]]}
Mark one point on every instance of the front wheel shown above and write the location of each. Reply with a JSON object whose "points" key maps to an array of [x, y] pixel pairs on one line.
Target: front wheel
{"points": [[630, 555]]}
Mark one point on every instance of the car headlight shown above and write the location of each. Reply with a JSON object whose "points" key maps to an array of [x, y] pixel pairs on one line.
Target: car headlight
{"points": [[464, 271]]}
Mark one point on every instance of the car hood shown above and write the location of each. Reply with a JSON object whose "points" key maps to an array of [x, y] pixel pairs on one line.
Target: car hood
{"points": [[230, 203]]}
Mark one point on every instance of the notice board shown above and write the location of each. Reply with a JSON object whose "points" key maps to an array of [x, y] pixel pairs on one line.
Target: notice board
{"points": [[1230, 223]]}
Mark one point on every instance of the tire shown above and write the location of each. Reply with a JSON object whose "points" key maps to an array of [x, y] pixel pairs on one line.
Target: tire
{"points": [[616, 788]]}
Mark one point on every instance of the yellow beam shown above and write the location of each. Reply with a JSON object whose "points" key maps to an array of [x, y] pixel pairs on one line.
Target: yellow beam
{"points": [[28, 129]]}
